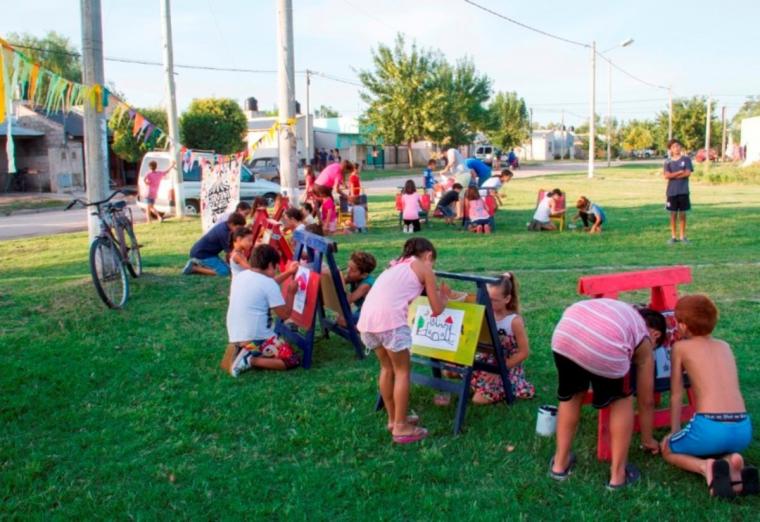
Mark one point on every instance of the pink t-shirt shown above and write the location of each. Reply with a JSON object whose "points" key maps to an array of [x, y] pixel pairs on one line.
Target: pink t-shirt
{"points": [[153, 181], [331, 175], [410, 203], [600, 335], [476, 209], [387, 304]]}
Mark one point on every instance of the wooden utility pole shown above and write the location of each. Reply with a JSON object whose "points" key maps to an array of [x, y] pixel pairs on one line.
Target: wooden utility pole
{"points": [[171, 109], [286, 98], [707, 133], [592, 120], [95, 137], [723, 137]]}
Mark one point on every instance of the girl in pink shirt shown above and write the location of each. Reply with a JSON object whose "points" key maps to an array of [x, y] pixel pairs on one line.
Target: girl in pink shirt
{"points": [[477, 212], [332, 178], [384, 327], [410, 208]]}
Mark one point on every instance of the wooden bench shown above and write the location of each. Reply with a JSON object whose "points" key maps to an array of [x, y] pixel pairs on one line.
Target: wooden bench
{"points": [[662, 284]]}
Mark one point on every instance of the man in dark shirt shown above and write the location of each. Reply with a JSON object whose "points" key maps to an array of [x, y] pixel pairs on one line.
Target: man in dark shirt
{"points": [[677, 171], [446, 205], [204, 256]]}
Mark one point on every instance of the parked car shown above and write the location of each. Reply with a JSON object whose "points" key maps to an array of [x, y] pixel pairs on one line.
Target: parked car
{"points": [[700, 155], [250, 187], [485, 153], [268, 168], [644, 154]]}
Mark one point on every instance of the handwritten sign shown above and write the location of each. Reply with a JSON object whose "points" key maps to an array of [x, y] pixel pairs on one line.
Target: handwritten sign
{"points": [[220, 190], [451, 336]]}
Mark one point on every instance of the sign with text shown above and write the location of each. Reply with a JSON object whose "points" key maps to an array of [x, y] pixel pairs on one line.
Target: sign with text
{"points": [[451, 336], [220, 190]]}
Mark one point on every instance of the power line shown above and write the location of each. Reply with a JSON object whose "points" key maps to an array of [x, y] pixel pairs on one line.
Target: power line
{"points": [[526, 26], [631, 75]]}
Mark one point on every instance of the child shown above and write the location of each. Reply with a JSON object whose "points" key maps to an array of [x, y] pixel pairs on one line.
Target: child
{"points": [[310, 178], [311, 216], [721, 425], [595, 343], [259, 210], [384, 327], [427, 178], [493, 184], [447, 204], [329, 215], [677, 171], [591, 214], [152, 182], [354, 183], [254, 295], [410, 208], [360, 279], [242, 241], [487, 387], [358, 216], [294, 219], [547, 208], [477, 213]]}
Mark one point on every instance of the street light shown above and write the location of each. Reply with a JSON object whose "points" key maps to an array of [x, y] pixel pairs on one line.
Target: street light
{"points": [[624, 43]]}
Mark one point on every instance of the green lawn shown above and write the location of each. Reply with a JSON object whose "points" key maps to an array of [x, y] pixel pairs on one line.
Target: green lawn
{"points": [[11, 207], [369, 174], [127, 414]]}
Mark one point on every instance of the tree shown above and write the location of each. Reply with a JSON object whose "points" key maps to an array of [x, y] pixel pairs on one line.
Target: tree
{"points": [[688, 124], [400, 94], [124, 144], [217, 124], [53, 51], [638, 136], [749, 109], [509, 125], [325, 111]]}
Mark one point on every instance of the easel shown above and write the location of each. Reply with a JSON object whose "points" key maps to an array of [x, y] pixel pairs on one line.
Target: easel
{"points": [[269, 232], [488, 340], [319, 250]]}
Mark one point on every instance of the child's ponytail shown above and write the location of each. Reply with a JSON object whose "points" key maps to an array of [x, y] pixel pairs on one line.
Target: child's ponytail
{"points": [[508, 286], [416, 247]]}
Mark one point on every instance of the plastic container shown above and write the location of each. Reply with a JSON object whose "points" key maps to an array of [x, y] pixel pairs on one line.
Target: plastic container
{"points": [[546, 421]]}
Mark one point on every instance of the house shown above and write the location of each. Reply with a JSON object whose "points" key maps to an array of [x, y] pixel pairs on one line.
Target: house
{"points": [[267, 145], [750, 140], [49, 151], [547, 145]]}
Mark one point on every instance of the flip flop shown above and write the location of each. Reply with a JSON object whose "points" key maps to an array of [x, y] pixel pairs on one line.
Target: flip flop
{"points": [[632, 475], [562, 475], [412, 419], [721, 482], [442, 399], [750, 481], [417, 435]]}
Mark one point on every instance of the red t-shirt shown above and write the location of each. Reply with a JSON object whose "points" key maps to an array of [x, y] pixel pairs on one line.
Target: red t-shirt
{"points": [[354, 184]]}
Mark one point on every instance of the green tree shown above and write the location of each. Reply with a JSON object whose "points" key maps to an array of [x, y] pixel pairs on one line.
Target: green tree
{"points": [[400, 94], [638, 136], [749, 109], [325, 111], [509, 125], [689, 122], [217, 124], [53, 51], [124, 144]]}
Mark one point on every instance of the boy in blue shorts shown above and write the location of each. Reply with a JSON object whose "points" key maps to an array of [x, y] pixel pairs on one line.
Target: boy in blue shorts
{"points": [[721, 428]]}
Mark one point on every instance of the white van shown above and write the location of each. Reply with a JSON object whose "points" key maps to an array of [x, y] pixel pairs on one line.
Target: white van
{"points": [[485, 153], [250, 187]]}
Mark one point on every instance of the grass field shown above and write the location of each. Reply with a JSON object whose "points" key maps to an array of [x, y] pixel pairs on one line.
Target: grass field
{"points": [[127, 414]]}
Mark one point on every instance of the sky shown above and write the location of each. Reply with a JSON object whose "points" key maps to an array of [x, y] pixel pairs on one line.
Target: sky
{"points": [[698, 47]]}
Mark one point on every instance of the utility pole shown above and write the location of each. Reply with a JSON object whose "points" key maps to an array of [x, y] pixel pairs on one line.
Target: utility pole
{"points": [[609, 114], [95, 137], [592, 120], [670, 114], [707, 134], [530, 123], [564, 140], [307, 140], [171, 110], [286, 98], [723, 137]]}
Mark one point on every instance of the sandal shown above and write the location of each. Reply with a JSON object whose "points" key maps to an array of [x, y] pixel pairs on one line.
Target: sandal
{"points": [[562, 475], [632, 475], [412, 419], [750, 481], [416, 435], [442, 399], [721, 485]]}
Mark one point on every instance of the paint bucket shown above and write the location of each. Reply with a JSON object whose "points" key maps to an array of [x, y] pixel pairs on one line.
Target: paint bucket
{"points": [[546, 422]]}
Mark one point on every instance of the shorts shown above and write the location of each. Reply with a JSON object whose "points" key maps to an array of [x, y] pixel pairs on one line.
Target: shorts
{"points": [[274, 348], [214, 263], [415, 224], [574, 379], [447, 211], [680, 202], [395, 340], [536, 225], [710, 434], [150, 201], [480, 222]]}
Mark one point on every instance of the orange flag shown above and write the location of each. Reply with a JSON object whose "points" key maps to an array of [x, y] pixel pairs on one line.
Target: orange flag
{"points": [[138, 125]]}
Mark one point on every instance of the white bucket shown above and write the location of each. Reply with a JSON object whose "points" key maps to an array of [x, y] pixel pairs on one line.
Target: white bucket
{"points": [[546, 422]]}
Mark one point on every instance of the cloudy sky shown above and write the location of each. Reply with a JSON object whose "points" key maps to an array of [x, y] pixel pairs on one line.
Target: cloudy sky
{"points": [[698, 47]]}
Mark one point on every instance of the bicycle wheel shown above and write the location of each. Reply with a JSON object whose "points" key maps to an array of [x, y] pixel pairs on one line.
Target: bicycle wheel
{"points": [[129, 247], [108, 272]]}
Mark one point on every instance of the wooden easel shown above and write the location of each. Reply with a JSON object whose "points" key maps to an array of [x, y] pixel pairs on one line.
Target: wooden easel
{"points": [[269, 232], [319, 252], [489, 340]]}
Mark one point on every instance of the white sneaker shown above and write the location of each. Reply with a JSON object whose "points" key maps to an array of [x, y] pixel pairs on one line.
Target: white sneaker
{"points": [[241, 363]]}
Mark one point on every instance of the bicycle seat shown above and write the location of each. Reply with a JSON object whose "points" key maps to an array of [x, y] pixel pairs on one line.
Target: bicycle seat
{"points": [[118, 205]]}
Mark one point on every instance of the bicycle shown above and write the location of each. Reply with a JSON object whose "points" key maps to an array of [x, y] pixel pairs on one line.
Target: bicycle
{"points": [[114, 251]]}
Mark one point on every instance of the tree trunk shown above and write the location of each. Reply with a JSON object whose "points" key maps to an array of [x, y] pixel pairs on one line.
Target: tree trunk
{"points": [[411, 156]]}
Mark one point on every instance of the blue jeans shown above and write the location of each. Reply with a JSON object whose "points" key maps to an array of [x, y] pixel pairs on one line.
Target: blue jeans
{"points": [[217, 265]]}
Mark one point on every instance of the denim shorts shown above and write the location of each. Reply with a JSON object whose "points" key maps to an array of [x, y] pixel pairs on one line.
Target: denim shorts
{"points": [[214, 263], [710, 434], [446, 210], [395, 340]]}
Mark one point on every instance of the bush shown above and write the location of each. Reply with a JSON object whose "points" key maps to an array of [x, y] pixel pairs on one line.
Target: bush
{"points": [[721, 174]]}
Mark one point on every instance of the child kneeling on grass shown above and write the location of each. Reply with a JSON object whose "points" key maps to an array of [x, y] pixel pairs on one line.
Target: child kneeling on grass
{"points": [[254, 295], [721, 426], [360, 280], [477, 212], [591, 214], [385, 329], [595, 343]]}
